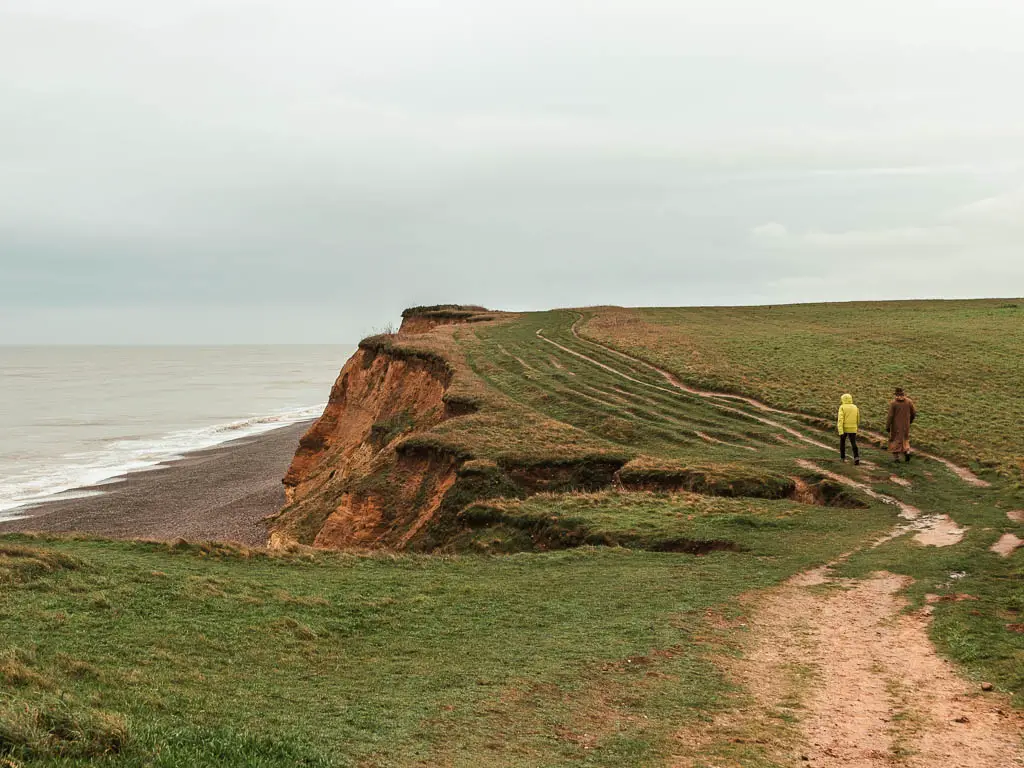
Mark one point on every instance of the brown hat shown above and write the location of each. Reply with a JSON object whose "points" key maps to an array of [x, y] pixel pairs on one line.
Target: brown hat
{"points": [[900, 392]]}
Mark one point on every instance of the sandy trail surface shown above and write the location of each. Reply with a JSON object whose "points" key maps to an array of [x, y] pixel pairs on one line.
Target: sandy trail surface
{"points": [[864, 684]]}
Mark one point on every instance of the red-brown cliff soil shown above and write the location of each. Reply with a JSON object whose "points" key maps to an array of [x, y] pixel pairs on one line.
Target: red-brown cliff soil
{"points": [[346, 486], [375, 394], [382, 467]]}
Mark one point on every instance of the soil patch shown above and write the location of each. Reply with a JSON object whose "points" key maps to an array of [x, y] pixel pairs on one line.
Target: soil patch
{"points": [[938, 531], [1008, 544], [863, 685]]}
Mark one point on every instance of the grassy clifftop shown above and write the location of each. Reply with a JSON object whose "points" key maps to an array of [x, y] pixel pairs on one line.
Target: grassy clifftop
{"points": [[601, 541], [536, 409], [962, 362]]}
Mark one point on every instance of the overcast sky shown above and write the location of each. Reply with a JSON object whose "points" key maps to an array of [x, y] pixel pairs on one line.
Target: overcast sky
{"points": [[245, 171]]}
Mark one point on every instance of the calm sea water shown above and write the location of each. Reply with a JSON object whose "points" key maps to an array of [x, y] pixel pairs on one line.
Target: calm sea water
{"points": [[78, 416]]}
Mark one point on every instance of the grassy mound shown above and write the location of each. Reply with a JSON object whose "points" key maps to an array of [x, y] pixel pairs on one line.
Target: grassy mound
{"points": [[19, 564], [726, 479], [682, 522]]}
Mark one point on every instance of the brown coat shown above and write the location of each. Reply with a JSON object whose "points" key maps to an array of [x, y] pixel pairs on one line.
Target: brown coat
{"points": [[901, 416]]}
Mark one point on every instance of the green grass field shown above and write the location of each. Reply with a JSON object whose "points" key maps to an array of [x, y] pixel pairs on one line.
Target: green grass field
{"points": [[174, 656], [962, 362], [554, 626]]}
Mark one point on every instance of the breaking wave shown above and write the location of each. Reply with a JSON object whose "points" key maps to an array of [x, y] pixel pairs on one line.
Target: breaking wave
{"points": [[76, 475]]}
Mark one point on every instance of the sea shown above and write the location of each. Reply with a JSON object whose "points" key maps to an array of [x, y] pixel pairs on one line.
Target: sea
{"points": [[76, 417]]}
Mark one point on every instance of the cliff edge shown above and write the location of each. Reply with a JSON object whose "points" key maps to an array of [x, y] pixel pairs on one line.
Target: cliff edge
{"points": [[386, 466], [463, 406]]}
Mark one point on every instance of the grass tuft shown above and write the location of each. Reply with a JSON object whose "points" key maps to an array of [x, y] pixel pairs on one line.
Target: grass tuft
{"points": [[21, 564], [54, 728]]}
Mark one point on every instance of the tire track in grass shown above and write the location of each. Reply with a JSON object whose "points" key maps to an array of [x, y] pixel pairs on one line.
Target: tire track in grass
{"points": [[962, 472], [715, 441], [679, 386]]}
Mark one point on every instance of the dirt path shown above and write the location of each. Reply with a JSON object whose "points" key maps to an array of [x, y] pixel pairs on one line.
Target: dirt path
{"points": [[936, 530], [864, 684]]}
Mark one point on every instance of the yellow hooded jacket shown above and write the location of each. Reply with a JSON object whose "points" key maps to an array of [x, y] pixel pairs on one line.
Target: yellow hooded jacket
{"points": [[849, 416]]}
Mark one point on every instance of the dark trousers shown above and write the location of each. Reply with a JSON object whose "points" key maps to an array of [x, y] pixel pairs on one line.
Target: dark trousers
{"points": [[853, 444]]}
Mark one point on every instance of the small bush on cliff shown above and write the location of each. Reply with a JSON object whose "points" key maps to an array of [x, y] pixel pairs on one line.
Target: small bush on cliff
{"points": [[444, 311], [386, 430]]}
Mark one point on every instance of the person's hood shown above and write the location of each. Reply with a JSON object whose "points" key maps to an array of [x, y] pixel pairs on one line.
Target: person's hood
{"points": [[847, 399]]}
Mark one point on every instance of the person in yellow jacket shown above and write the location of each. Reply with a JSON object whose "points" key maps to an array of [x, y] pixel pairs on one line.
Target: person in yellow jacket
{"points": [[849, 420]]}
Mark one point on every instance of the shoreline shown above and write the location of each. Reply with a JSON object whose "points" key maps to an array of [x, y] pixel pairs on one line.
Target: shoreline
{"points": [[220, 493]]}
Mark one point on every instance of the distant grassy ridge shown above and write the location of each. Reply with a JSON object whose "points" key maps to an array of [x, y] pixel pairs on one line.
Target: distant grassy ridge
{"points": [[961, 361]]}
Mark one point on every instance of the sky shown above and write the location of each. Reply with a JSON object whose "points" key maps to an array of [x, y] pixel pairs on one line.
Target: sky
{"points": [[237, 171]]}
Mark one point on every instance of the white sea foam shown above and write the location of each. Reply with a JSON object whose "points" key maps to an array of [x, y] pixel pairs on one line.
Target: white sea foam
{"points": [[68, 476], [75, 417]]}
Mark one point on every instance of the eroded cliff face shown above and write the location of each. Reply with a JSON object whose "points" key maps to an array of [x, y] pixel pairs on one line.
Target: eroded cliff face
{"points": [[393, 514], [374, 394], [346, 486], [379, 469]]}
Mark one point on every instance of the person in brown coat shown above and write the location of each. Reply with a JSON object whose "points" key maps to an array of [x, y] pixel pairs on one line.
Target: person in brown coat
{"points": [[901, 415]]}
